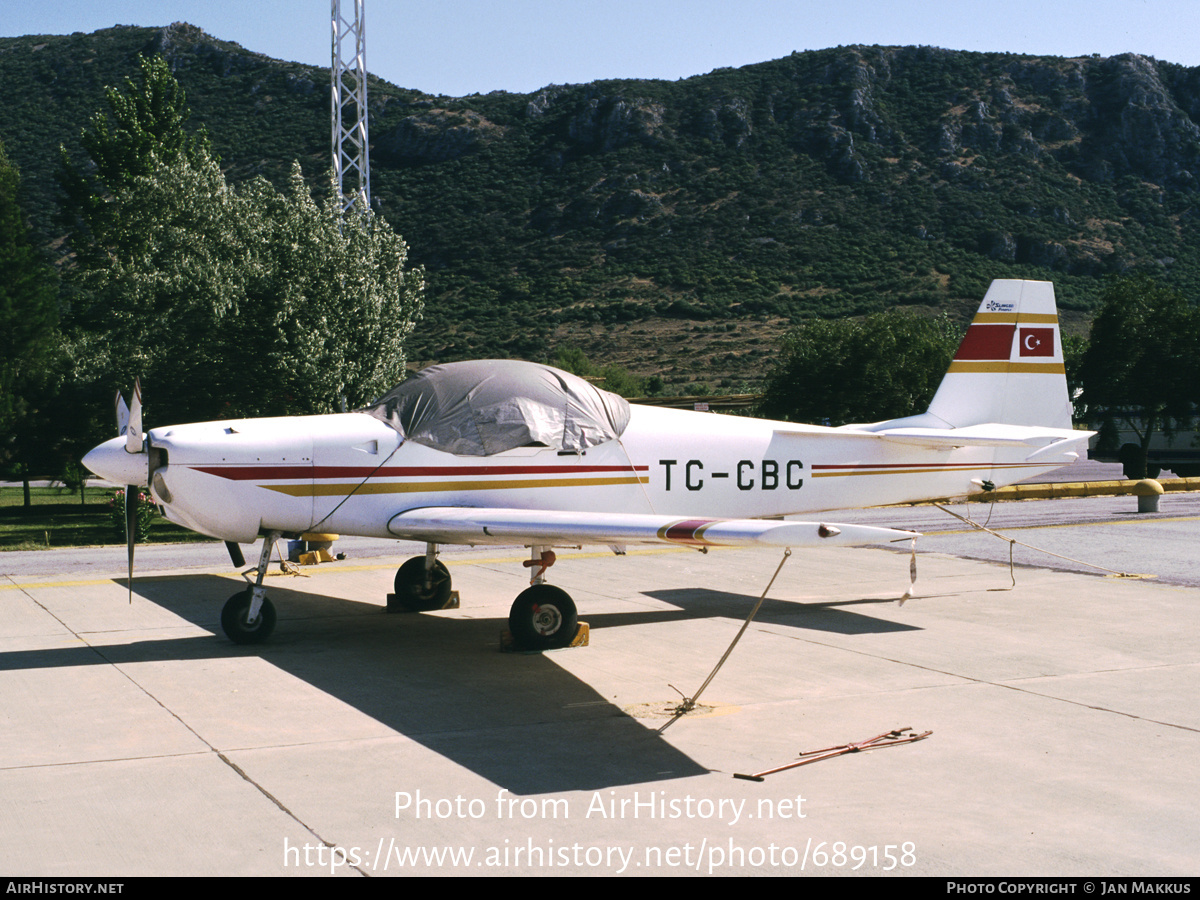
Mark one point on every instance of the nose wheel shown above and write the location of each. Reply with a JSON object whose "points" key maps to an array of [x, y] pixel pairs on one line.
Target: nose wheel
{"points": [[236, 621]]}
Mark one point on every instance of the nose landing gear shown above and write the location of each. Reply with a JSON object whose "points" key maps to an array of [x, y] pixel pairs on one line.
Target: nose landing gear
{"points": [[248, 617]]}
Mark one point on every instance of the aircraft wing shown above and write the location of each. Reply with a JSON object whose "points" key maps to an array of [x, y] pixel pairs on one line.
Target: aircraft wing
{"points": [[463, 525]]}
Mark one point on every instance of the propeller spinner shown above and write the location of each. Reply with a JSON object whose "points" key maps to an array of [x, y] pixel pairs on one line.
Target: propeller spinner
{"points": [[127, 460]]}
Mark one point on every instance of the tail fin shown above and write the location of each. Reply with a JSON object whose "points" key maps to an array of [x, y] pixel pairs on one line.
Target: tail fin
{"points": [[1009, 368]]}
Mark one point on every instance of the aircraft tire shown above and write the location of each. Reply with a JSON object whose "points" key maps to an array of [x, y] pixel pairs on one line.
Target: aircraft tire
{"points": [[543, 617], [233, 619], [410, 585]]}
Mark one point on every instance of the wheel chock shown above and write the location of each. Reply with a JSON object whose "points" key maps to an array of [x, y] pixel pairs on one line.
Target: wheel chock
{"points": [[313, 557], [582, 633], [395, 606], [311, 549]]}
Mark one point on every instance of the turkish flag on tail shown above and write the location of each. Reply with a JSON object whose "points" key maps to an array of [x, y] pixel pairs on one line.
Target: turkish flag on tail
{"points": [[1036, 341]]}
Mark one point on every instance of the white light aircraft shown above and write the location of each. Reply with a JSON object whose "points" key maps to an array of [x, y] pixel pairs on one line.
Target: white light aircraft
{"points": [[506, 452]]}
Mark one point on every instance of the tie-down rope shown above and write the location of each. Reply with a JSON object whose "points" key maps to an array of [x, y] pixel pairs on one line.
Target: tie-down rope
{"points": [[1013, 541], [689, 703]]}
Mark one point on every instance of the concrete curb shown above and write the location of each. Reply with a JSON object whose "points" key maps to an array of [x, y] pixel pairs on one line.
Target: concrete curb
{"points": [[1123, 488]]}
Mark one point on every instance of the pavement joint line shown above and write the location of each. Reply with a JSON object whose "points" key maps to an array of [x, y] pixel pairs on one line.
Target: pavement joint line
{"points": [[970, 679], [107, 759], [98, 650], [282, 807]]}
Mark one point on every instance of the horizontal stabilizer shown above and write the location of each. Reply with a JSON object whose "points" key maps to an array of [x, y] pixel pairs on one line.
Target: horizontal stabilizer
{"points": [[511, 526], [990, 435]]}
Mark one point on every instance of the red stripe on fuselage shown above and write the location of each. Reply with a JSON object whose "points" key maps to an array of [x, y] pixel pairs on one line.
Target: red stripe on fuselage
{"points": [[872, 466]]}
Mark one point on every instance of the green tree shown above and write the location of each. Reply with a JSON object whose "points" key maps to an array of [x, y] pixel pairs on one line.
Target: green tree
{"points": [[143, 128], [28, 326], [882, 366], [611, 378], [1140, 367], [228, 301], [245, 302], [1074, 350], [28, 299]]}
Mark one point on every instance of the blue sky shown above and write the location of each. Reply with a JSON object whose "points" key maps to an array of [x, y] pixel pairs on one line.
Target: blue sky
{"points": [[458, 47]]}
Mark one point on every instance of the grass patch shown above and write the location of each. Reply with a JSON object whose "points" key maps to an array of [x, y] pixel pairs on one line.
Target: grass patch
{"points": [[56, 518]]}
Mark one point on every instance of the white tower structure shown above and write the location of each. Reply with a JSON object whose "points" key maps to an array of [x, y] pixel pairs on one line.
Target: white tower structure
{"points": [[351, 152]]}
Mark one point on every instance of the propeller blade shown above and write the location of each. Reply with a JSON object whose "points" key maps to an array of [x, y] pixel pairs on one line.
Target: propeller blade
{"points": [[133, 434], [131, 502], [122, 415]]}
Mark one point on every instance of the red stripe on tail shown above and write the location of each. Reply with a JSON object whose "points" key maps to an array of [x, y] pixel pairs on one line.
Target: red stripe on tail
{"points": [[986, 342]]}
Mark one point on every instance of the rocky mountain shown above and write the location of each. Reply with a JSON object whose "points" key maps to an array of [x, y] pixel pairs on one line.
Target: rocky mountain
{"points": [[678, 227]]}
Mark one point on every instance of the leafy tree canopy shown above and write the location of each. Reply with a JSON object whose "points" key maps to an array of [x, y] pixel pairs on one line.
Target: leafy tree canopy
{"points": [[146, 128], [882, 366], [611, 378], [230, 301], [145, 119], [28, 302], [1141, 361], [245, 302]]}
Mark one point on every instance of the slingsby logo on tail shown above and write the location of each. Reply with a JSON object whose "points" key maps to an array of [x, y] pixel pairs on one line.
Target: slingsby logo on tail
{"points": [[504, 452]]}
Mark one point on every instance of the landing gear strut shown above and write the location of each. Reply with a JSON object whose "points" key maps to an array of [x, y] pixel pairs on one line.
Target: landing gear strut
{"points": [[543, 617], [248, 617]]}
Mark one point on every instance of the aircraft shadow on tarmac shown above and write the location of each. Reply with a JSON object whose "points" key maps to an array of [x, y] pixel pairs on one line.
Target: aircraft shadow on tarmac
{"points": [[519, 720], [819, 616]]}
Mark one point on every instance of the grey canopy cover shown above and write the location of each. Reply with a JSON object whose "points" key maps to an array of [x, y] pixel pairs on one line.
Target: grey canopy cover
{"points": [[484, 407]]}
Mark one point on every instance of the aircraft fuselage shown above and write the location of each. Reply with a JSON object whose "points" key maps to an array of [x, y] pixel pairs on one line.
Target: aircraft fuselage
{"points": [[351, 473]]}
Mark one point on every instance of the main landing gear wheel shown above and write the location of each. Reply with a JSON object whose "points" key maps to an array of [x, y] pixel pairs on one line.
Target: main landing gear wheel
{"points": [[543, 617], [411, 590], [235, 614]]}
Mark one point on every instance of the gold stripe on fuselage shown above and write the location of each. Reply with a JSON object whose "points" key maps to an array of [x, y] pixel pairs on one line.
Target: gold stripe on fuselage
{"points": [[419, 487], [922, 469]]}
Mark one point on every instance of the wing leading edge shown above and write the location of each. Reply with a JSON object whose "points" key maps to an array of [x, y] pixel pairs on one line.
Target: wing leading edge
{"points": [[461, 525]]}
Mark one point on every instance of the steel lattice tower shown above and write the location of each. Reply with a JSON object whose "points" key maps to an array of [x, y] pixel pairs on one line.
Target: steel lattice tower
{"points": [[351, 152]]}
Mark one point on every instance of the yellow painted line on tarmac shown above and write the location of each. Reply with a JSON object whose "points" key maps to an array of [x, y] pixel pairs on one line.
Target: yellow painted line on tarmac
{"points": [[1000, 528], [29, 584], [493, 560], [599, 554], [333, 570]]}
